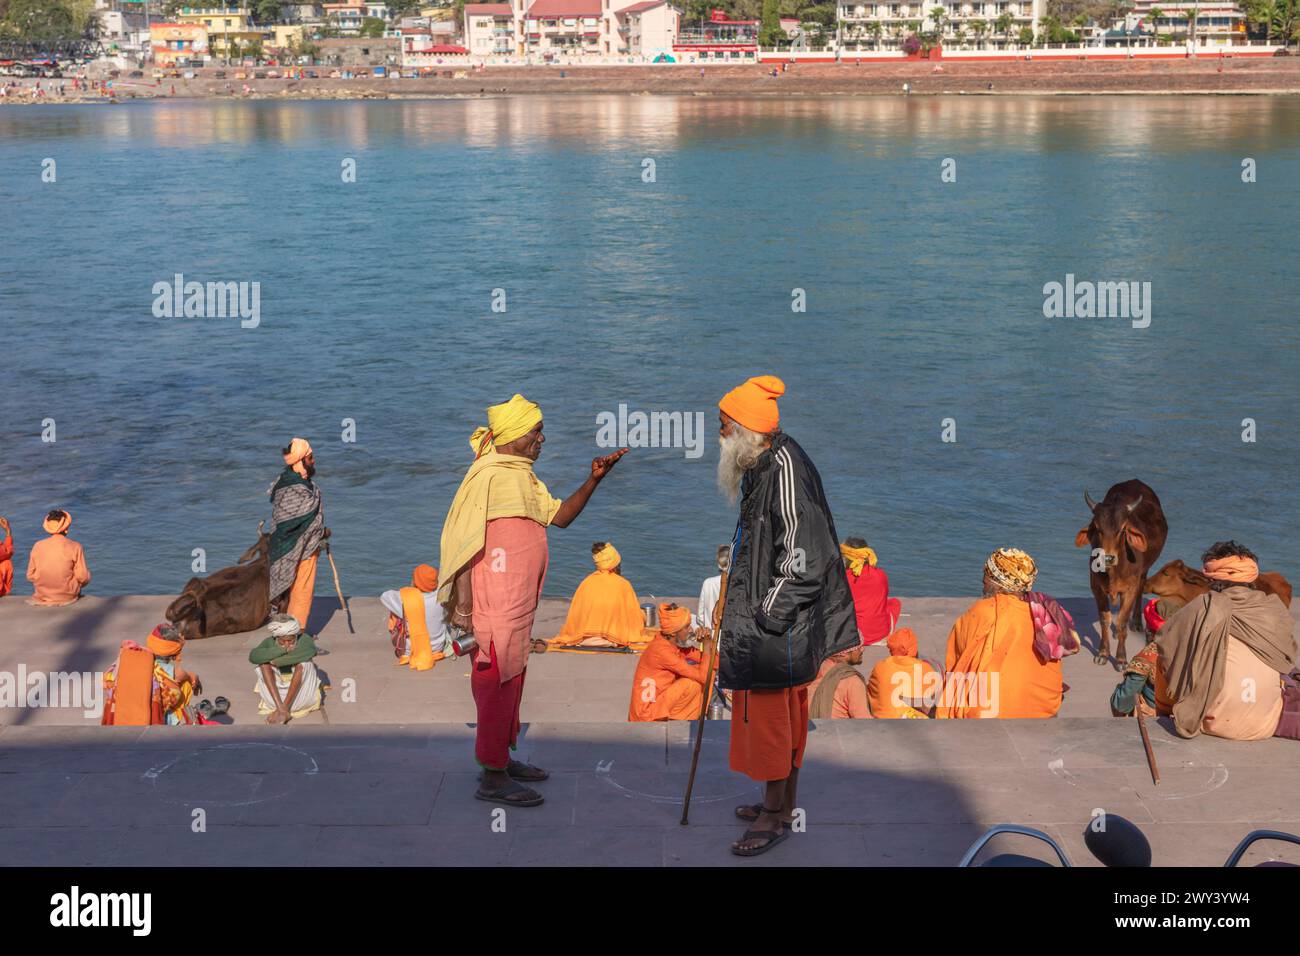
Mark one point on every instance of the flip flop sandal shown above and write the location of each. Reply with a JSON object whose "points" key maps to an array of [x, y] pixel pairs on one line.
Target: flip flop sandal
{"points": [[503, 796], [206, 709], [538, 647], [518, 770], [221, 706], [774, 837], [749, 813]]}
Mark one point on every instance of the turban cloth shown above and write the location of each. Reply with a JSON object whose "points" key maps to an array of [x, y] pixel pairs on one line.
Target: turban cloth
{"points": [[163, 641], [672, 619], [59, 526], [607, 558], [753, 404], [425, 577], [506, 422], [1234, 567], [857, 557], [298, 450], [1012, 569], [285, 628], [902, 643]]}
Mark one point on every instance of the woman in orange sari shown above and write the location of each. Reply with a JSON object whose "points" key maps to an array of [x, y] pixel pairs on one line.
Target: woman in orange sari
{"points": [[493, 557]]}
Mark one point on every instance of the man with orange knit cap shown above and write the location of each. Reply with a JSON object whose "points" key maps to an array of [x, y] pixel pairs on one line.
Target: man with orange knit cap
{"points": [[670, 675], [788, 605], [298, 531], [57, 565]]}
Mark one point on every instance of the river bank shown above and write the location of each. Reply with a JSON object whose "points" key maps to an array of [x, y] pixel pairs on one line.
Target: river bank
{"points": [[1200, 76]]}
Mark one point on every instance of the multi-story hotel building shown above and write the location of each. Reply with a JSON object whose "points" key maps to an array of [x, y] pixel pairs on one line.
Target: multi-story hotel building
{"points": [[570, 27], [871, 22]]}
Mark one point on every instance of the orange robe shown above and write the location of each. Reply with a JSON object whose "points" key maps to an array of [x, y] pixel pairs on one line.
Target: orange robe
{"points": [[895, 681], [850, 699], [992, 670], [6, 565], [668, 684], [300, 594], [57, 570], [603, 607], [769, 729]]}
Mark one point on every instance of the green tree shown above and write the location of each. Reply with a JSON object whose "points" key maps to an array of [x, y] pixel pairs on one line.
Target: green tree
{"points": [[769, 30], [1003, 25], [939, 16], [1154, 15], [372, 27], [268, 11], [1191, 16], [1026, 36], [979, 28], [45, 22], [875, 29]]}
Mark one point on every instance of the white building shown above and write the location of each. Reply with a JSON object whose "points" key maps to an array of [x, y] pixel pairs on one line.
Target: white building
{"points": [[1216, 22], [489, 29], [570, 28], [872, 23], [128, 32], [649, 27]]}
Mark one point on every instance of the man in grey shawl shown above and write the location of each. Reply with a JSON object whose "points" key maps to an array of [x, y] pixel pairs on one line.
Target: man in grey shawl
{"points": [[1224, 654], [297, 533]]}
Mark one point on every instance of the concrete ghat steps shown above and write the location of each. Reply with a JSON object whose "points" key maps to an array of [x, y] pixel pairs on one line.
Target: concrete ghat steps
{"points": [[874, 793], [560, 686]]}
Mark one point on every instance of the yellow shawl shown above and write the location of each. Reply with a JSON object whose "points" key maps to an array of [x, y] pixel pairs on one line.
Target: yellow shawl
{"points": [[496, 486]]}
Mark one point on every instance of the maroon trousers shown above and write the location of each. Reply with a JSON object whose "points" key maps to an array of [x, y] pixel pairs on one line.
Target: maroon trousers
{"points": [[498, 710]]}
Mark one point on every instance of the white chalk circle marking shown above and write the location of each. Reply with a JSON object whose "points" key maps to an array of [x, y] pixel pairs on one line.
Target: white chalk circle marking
{"points": [[604, 772], [170, 782]]}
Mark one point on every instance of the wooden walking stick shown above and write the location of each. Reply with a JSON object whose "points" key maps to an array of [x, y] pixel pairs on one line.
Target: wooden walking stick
{"points": [[716, 627], [1146, 743], [339, 588]]}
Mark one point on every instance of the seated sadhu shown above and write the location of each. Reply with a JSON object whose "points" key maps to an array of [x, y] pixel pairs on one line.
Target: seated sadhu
{"points": [[604, 610], [902, 685], [877, 613], [1217, 664], [415, 620], [6, 557], [147, 685], [839, 689], [1004, 654], [57, 566], [670, 675], [287, 681]]}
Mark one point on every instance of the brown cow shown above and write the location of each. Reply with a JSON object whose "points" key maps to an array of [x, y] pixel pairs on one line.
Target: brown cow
{"points": [[1177, 580], [1126, 534], [229, 601]]}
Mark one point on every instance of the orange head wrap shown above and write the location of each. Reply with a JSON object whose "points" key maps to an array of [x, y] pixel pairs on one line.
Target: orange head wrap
{"points": [[164, 641], [425, 577], [1234, 567], [59, 526], [753, 404], [902, 643], [672, 619], [607, 558], [298, 450]]}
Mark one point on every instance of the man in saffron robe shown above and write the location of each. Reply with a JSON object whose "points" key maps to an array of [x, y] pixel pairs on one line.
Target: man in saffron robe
{"points": [[670, 674], [57, 566], [996, 664], [787, 604], [877, 612], [6, 557], [604, 611], [298, 531], [902, 685], [840, 690], [415, 621], [493, 557], [147, 685]]}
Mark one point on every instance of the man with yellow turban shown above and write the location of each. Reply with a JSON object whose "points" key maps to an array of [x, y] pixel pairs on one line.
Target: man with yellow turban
{"points": [[298, 531], [604, 611], [494, 556], [670, 674], [877, 612], [57, 565], [415, 621], [998, 664], [787, 604]]}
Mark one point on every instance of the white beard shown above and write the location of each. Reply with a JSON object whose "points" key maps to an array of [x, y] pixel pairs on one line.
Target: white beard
{"points": [[737, 453]]}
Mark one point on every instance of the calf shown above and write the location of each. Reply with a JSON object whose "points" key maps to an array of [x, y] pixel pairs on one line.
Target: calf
{"points": [[229, 601], [1177, 580], [1126, 534]]}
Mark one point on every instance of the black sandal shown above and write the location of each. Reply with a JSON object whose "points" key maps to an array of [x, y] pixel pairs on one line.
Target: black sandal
{"points": [[773, 837], [504, 794], [518, 770]]}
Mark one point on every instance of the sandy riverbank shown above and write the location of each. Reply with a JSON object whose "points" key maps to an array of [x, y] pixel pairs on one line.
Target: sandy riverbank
{"points": [[1205, 75]]}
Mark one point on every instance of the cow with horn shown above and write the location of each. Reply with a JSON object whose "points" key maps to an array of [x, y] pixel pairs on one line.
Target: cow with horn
{"points": [[1125, 537]]}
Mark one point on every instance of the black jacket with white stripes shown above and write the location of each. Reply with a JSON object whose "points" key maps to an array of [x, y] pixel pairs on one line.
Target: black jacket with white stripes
{"points": [[788, 601]]}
